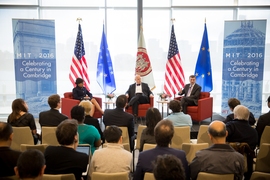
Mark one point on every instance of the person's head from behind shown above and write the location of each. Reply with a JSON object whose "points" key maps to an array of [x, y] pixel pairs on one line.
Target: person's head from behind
{"points": [[30, 165], [233, 102], [77, 113], [138, 79], [241, 112], [87, 105], [18, 106], [175, 106], [163, 132], [54, 101], [268, 101], [217, 132], [121, 101], [152, 117], [168, 167], [6, 134], [67, 133], [113, 134], [192, 79], [79, 82]]}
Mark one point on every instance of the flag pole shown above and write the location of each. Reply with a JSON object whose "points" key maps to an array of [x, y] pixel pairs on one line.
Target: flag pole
{"points": [[79, 19]]}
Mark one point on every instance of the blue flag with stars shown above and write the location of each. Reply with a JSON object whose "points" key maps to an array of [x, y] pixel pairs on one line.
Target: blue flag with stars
{"points": [[105, 74], [203, 70]]}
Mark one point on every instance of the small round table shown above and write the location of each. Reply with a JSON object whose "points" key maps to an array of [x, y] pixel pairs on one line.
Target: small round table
{"points": [[108, 104], [162, 102]]}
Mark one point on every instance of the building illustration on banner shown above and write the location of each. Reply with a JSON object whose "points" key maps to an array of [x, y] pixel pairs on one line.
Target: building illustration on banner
{"points": [[35, 62], [243, 64]]}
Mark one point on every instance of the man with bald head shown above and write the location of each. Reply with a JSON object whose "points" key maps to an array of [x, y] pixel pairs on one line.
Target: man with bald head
{"points": [[220, 158]]}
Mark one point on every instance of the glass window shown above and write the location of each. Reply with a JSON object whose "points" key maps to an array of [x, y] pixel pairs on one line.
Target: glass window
{"points": [[252, 2], [19, 2], [202, 3], [76, 3]]}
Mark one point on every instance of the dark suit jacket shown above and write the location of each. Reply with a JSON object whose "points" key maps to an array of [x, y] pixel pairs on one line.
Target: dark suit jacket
{"points": [[147, 157], [118, 117], [51, 118], [8, 160], [145, 90], [264, 120], [251, 119], [79, 93], [195, 93]]}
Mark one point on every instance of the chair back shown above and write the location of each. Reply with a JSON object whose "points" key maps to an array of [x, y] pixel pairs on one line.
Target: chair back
{"points": [[49, 136], [125, 135], [149, 176], [181, 135], [265, 138], [203, 135], [21, 135], [58, 177], [68, 95], [263, 159], [210, 176], [40, 147], [204, 95], [147, 146], [260, 176], [191, 149], [110, 176], [10, 178], [139, 134]]}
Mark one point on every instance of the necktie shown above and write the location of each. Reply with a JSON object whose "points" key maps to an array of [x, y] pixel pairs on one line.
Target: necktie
{"points": [[189, 91]]}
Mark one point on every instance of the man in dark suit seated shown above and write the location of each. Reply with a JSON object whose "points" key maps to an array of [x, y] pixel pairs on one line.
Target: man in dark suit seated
{"points": [[138, 93], [163, 133], [191, 93], [52, 117], [120, 118]]}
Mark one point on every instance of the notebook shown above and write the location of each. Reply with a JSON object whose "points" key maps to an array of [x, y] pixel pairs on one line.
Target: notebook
{"points": [[84, 148]]}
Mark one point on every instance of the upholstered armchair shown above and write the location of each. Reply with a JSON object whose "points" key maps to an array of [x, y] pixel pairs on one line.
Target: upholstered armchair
{"points": [[204, 109], [68, 103], [142, 108]]}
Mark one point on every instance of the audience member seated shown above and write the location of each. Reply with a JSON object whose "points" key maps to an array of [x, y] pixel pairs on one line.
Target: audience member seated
{"points": [[8, 157], [65, 159], [232, 103], [168, 167], [239, 130], [177, 116], [120, 118], [163, 132], [21, 118], [81, 93], [264, 120], [88, 119], [52, 117], [88, 134], [220, 158], [152, 117], [192, 94], [30, 165], [113, 158]]}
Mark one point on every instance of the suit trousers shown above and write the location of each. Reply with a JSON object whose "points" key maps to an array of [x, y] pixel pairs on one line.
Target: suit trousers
{"points": [[136, 100], [185, 102]]}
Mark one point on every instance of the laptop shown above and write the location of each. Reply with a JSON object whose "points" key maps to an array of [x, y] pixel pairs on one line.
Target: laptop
{"points": [[84, 148]]}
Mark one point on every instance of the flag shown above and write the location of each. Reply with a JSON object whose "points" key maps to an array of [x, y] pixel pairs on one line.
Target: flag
{"points": [[105, 74], [174, 74], [203, 69], [78, 67], [143, 64]]}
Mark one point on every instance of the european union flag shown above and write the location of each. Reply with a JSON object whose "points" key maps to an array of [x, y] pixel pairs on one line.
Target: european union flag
{"points": [[203, 70], [105, 74]]}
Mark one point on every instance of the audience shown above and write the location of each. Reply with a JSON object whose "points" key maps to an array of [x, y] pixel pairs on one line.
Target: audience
{"points": [[64, 159], [152, 117], [30, 165], [21, 118], [163, 132], [264, 120], [168, 167], [239, 130], [52, 117], [178, 117], [232, 103], [220, 158], [120, 118], [8, 157], [113, 158], [88, 119], [88, 134]]}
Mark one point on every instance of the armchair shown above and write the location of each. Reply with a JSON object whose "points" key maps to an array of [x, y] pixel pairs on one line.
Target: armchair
{"points": [[68, 103], [203, 110], [142, 108]]}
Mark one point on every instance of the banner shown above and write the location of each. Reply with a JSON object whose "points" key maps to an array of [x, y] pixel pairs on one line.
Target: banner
{"points": [[35, 62], [243, 64]]}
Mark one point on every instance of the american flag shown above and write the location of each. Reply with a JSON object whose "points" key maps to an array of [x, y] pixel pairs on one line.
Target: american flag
{"points": [[174, 75], [78, 67]]}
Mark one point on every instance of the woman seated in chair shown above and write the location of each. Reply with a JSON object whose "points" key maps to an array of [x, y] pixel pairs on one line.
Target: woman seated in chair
{"points": [[21, 118], [81, 93]]}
